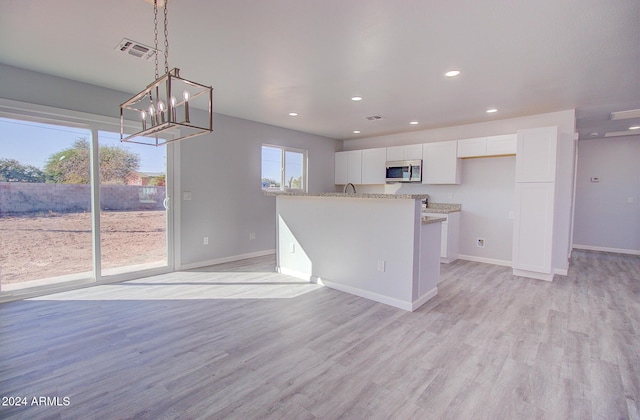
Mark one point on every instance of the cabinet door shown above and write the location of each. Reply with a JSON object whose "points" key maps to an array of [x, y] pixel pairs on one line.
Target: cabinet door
{"points": [[536, 155], [440, 163], [502, 145], [533, 227], [412, 152], [354, 166], [395, 153], [373, 169], [472, 147], [341, 172]]}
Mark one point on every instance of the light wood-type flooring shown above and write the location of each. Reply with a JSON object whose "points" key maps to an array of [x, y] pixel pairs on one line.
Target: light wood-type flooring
{"points": [[237, 341]]}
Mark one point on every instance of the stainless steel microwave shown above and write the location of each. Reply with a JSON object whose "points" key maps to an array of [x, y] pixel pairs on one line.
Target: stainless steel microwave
{"points": [[404, 171]]}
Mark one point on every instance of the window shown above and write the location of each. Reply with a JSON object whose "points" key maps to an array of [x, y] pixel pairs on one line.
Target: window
{"points": [[283, 168]]}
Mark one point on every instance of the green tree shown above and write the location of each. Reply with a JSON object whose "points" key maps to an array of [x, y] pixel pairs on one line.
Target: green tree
{"points": [[71, 166], [13, 171]]}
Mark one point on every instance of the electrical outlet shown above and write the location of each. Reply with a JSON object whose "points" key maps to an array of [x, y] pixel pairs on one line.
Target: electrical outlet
{"points": [[252, 236], [205, 240], [381, 265], [186, 195], [292, 247], [480, 243]]}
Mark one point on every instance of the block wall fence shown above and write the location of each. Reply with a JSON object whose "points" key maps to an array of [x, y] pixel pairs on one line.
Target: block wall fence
{"points": [[30, 198]]}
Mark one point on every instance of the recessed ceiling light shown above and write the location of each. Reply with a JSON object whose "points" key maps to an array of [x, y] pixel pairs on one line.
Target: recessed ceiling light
{"points": [[491, 110], [356, 131], [293, 114], [356, 98], [635, 127], [452, 73], [414, 123]]}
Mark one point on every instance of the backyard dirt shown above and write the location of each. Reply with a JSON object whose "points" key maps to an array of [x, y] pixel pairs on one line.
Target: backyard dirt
{"points": [[43, 246]]}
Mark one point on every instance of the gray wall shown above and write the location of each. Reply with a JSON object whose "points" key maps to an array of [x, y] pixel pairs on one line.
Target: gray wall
{"points": [[222, 170], [604, 218]]}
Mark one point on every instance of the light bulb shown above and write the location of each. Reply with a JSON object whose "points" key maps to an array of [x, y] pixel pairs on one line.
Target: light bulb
{"points": [[143, 117], [152, 114], [186, 106], [161, 108], [172, 108]]}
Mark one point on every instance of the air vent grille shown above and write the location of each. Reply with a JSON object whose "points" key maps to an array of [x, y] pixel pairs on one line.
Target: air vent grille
{"points": [[136, 49]]}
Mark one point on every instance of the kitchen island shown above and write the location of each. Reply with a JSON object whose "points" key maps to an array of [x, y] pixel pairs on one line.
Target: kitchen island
{"points": [[377, 246]]}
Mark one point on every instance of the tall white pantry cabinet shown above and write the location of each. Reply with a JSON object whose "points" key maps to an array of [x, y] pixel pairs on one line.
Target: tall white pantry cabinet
{"points": [[536, 159]]}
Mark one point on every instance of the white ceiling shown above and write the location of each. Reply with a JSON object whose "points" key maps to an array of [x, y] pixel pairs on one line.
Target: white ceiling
{"points": [[266, 58]]}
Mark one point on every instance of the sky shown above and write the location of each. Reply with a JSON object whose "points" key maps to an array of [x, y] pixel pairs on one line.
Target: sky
{"points": [[32, 143]]}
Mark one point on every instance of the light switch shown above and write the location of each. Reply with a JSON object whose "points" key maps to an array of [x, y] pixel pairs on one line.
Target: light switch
{"points": [[186, 195]]}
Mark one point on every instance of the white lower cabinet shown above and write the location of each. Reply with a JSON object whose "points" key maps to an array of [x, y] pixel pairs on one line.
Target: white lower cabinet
{"points": [[533, 230], [450, 234]]}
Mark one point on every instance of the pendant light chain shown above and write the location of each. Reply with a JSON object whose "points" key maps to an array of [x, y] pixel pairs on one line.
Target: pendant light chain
{"points": [[166, 38], [155, 34]]}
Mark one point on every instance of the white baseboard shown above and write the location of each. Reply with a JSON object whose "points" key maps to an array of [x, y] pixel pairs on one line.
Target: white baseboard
{"points": [[397, 303], [424, 299], [297, 274], [226, 259], [561, 271], [533, 275], [605, 249], [485, 260]]}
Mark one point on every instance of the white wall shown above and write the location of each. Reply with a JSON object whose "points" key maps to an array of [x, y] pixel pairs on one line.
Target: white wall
{"points": [[604, 218], [487, 190], [222, 170]]}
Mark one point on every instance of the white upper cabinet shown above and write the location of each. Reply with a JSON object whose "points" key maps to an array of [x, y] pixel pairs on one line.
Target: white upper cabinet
{"points": [[408, 152], [472, 147], [487, 146], [341, 164], [348, 167], [502, 145], [440, 163], [373, 168], [536, 154]]}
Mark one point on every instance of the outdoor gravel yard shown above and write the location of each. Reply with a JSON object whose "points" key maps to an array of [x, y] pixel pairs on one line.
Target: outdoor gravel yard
{"points": [[43, 246]]}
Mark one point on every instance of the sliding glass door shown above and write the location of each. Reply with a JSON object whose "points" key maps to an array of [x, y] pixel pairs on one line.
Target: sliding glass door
{"points": [[45, 204], [52, 229], [133, 205]]}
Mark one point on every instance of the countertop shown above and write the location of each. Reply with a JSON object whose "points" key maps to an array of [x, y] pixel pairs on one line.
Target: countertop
{"points": [[343, 195], [442, 208], [428, 220]]}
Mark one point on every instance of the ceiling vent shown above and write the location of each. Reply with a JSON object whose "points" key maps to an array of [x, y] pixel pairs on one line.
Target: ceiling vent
{"points": [[373, 118], [136, 49]]}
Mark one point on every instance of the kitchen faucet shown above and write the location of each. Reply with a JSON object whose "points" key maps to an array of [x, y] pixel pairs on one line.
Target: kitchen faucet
{"points": [[352, 186]]}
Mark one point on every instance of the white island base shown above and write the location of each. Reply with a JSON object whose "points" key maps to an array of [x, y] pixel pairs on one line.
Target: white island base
{"points": [[374, 246]]}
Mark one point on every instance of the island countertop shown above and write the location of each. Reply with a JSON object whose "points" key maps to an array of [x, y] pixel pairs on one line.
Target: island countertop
{"points": [[442, 208], [346, 195]]}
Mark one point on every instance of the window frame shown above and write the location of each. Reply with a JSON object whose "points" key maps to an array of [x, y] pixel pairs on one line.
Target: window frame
{"points": [[283, 166]]}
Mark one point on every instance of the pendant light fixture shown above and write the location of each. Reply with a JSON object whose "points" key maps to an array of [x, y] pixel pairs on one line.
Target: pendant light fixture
{"points": [[166, 105]]}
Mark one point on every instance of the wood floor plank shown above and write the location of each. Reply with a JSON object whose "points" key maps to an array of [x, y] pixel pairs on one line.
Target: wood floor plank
{"points": [[238, 340]]}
